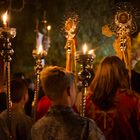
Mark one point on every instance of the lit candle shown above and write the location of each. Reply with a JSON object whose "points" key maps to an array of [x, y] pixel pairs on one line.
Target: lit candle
{"points": [[48, 37], [4, 17], [40, 49], [85, 48], [92, 52], [49, 27]]}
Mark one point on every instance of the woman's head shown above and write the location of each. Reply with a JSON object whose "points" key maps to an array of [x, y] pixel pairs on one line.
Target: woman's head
{"points": [[110, 76]]}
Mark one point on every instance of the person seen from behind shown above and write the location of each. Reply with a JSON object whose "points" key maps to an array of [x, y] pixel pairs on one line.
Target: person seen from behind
{"points": [[61, 122], [18, 127], [114, 107]]}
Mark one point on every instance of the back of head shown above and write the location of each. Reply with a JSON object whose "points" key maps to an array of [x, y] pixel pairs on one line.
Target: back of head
{"points": [[110, 76], [55, 80], [18, 90]]}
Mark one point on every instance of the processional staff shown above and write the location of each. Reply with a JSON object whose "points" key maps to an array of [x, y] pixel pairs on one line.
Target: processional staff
{"points": [[72, 56], [85, 60], [6, 34], [39, 53], [70, 30], [123, 25]]}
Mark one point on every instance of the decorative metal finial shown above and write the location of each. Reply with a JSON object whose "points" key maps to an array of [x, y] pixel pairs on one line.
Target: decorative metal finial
{"points": [[70, 29]]}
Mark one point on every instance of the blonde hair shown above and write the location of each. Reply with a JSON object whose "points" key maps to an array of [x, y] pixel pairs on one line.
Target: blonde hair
{"points": [[55, 80]]}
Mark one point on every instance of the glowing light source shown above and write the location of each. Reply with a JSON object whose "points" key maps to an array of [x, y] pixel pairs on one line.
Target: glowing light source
{"points": [[92, 52], [40, 49], [4, 17], [85, 48], [49, 27]]}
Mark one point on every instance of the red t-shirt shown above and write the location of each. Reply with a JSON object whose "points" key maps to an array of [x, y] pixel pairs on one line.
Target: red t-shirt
{"points": [[43, 106]]}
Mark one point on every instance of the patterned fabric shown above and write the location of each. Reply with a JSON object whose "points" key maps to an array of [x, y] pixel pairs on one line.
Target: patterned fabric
{"points": [[61, 123], [20, 126], [122, 121]]}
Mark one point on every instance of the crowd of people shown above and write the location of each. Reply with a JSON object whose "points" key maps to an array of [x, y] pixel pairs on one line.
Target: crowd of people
{"points": [[112, 106]]}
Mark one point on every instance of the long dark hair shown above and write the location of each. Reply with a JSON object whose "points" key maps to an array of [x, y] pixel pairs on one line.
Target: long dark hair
{"points": [[110, 76]]}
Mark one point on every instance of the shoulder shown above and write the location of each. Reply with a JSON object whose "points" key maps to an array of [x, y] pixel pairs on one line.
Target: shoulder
{"points": [[128, 97], [20, 119], [21, 116], [91, 123], [40, 124], [3, 117], [128, 93], [3, 114], [94, 130], [28, 120], [38, 129]]}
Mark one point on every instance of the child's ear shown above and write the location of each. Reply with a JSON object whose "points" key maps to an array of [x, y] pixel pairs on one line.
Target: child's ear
{"points": [[68, 91]]}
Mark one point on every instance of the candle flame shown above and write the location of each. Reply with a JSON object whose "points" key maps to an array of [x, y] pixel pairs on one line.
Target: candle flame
{"points": [[40, 49], [92, 52], [49, 27], [85, 48], [4, 17]]}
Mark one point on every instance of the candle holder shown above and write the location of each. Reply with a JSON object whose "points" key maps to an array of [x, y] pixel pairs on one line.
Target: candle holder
{"points": [[38, 56], [84, 75], [6, 34]]}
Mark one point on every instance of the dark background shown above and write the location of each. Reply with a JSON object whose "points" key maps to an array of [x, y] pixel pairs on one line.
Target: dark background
{"points": [[93, 15]]}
